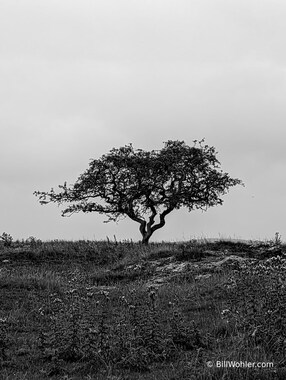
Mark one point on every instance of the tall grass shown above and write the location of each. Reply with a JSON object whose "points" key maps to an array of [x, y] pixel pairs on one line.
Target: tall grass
{"points": [[83, 310]]}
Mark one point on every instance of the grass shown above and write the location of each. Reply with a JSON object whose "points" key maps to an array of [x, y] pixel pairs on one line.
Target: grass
{"points": [[83, 310]]}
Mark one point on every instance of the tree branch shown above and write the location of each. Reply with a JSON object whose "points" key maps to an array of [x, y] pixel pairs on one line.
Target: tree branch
{"points": [[151, 218], [130, 212], [162, 219]]}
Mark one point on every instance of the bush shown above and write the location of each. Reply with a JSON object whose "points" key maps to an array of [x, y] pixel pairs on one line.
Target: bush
{"points": [[7, 239], [33, 242]]}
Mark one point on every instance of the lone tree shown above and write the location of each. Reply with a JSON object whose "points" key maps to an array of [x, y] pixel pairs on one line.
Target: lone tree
{"points": [[140, 184]]}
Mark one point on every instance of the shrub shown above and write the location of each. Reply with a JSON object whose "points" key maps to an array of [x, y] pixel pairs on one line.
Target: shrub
{"points": [[7, 239], [33, 242]]}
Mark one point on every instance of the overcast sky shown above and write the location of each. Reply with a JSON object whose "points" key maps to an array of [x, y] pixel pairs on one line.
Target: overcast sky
{"points": [[79, 77]]}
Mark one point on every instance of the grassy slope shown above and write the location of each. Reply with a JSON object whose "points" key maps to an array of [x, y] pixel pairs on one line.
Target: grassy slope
{"points": [[81, 310]]}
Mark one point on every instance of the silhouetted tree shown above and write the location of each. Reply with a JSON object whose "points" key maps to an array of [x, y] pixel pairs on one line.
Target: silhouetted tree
{"points": [[141, 184]]}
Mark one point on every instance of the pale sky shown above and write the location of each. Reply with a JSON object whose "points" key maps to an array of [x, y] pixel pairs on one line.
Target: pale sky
{"points": [[79, 77]]}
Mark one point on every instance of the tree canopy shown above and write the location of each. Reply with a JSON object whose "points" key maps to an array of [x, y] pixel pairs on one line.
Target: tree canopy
{"points": [[146, 185]]}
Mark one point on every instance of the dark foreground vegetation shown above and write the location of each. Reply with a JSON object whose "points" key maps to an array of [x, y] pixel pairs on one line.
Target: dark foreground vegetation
{"points": [[109, 310]]}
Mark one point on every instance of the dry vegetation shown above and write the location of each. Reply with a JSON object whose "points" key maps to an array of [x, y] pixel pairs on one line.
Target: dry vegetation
{"points": [[109, 310]]}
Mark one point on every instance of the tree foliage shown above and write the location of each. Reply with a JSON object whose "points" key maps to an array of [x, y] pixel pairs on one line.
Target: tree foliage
{"points": [[146, 185]]}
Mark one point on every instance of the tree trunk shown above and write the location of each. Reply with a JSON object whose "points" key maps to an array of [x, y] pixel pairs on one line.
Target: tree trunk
{"points": [[148, 232], [145, 239]]}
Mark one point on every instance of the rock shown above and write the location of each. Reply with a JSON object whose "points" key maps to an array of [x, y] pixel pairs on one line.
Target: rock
{"points": [[202, 276], [156, 282], [173, 267], [230, 261], [133, 267], [101, 288]]}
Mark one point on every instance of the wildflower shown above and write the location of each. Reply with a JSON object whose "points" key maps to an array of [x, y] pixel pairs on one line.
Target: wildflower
{"points": [[57, 300], [123, 298], [93, 330], [152, 295], [225, 311], [225, 314], [254, 332]]}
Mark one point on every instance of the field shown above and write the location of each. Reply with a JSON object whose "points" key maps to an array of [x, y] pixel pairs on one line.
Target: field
{"points": [[121, 310]]}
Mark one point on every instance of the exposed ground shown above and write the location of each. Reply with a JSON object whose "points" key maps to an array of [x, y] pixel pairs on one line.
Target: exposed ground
{"points": [[102, 310]]}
